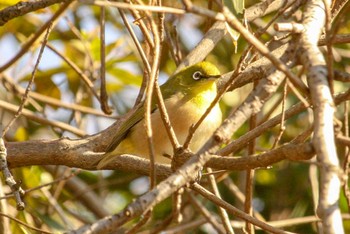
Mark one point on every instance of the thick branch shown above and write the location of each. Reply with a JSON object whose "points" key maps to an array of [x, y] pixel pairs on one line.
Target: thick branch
{"points": [[323, 138], [72, 154], [22, 8]]}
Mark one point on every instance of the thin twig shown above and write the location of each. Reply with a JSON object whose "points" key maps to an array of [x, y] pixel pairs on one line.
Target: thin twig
{"points": [[147, 66], [52, 21], [148, 101], [29, 86], [122, 5], [207, 215], [15, 88], [222, 212], [24, 224], [177, 204], [57, 207], [165, 118], [103, 95], [239, 195], [144, 219], [329, 38], [44, 185], [139, 22], [15, 187], [249, 180], [346, 163], [233, 210], [32, 116], [173, 43], [76, 68], [160, 101], [282, 127]]}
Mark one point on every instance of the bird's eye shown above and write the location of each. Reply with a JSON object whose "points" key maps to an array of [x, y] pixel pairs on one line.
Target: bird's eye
{"points": [[197, 75]]}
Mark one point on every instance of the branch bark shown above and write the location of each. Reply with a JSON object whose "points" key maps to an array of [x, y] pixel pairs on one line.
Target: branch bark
{"points": [[22, 8], [323, 109]]}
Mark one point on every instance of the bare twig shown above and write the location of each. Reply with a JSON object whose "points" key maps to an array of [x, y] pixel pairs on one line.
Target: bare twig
{"points": [[52, 21], [30, 115], [15, 187], [346, 163], [30, 83], [222, 212], [76, 68], [82, 192], [249, 178], [148, 102], [17, 89], [177, 204], [144, 219], [22, 8], [239, 195], [233, 210], [103, 96], [282, 127], [25, 224], [207, 215], [122, 5], [143, 27], [329, 37]]}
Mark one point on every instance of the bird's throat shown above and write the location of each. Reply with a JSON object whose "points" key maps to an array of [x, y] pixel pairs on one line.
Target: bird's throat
{"points": [[203, 96]]}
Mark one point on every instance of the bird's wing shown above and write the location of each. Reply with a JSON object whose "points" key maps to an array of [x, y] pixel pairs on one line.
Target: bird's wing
{"points": [[167, 90], [127, 125]]}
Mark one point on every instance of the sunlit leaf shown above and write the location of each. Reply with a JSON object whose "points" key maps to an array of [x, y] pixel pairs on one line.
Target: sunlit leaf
{"points": [[47, 87], [44, 84], [236, 7], [125, 76], [114, 87]]}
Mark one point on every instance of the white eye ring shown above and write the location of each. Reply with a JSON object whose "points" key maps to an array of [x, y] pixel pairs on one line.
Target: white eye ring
{"points": [[197, 75]]}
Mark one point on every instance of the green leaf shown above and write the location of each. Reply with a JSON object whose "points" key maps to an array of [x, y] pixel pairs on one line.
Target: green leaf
{"points": [[44, 84], [234, 36], [236, 7], [127, 58], [114, 87], [125, 76]]}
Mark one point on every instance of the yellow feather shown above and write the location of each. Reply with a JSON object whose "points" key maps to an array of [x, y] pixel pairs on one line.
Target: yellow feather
{"points": [[184, 107]]}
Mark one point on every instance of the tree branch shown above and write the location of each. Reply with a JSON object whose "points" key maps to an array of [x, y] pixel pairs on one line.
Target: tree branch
{"points": [[323, 108], [22, 8]]}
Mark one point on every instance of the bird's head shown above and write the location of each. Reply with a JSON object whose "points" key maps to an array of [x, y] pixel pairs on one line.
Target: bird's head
{"points": [[196, 78]]}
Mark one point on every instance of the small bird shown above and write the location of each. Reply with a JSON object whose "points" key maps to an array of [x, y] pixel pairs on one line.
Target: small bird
{"points": [[187, 95]]}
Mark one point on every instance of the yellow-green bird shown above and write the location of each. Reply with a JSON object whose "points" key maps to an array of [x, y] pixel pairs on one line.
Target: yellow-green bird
{"points": [[187, 95]]}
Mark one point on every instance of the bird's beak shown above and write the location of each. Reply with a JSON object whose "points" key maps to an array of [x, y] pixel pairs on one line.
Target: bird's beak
{"points": [[213, 77]]}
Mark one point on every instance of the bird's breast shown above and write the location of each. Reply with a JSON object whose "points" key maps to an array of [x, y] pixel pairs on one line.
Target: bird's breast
{"points": [[183, 112]]}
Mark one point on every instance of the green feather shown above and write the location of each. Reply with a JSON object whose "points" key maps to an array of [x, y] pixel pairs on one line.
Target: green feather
{"points": [[180, 82]]}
